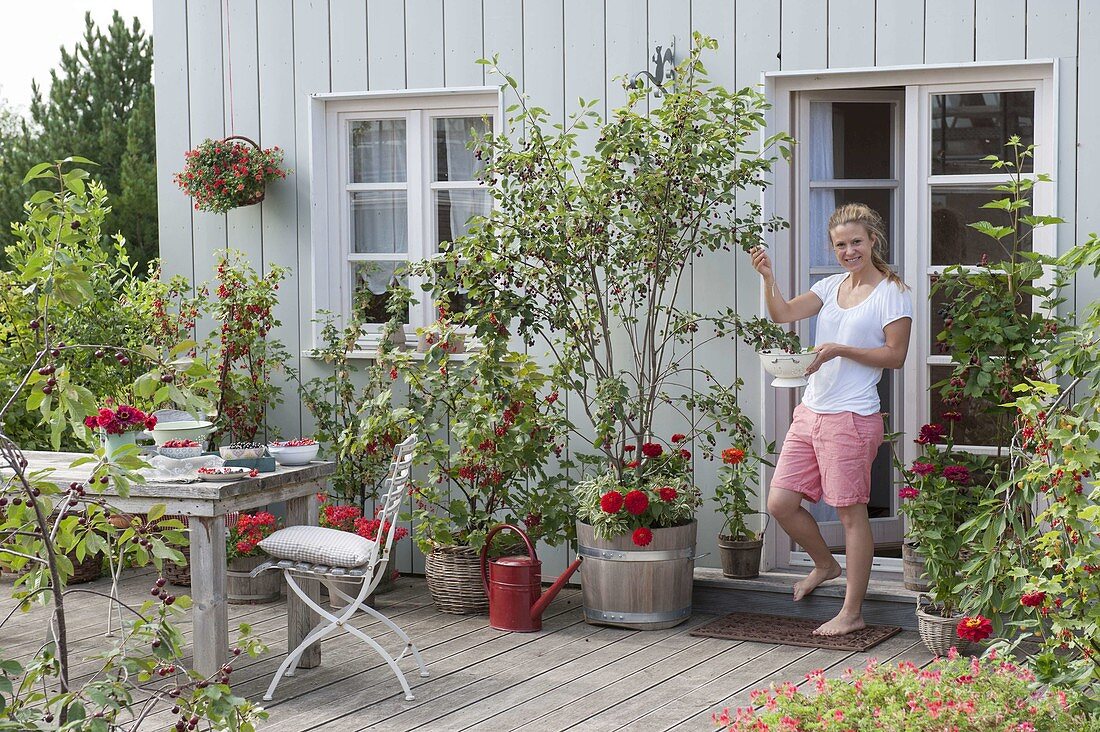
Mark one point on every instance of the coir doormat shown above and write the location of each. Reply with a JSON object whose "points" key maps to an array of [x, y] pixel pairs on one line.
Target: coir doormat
{"points": [[791, 632]]}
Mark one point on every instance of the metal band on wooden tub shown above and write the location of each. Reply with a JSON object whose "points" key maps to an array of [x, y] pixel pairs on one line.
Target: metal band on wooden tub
{"points": [[637, 618], [613, 555]]}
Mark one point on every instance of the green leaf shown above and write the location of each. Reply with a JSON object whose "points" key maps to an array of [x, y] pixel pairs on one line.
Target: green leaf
{"points": [[37, 172]]}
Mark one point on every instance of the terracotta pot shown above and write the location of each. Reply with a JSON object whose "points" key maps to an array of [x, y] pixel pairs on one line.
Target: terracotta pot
{"points": [[740, 559]]}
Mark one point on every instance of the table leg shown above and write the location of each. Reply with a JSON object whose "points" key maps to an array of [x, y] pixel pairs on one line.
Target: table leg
{"points": [[300, 618], [210, 612]]}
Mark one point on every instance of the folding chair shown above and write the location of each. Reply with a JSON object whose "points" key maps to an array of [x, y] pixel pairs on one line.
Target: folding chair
{"points": [[329, 555]]}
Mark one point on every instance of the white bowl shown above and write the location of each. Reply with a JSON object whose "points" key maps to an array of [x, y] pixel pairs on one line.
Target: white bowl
{"points": [[789, 369], [179, 453], [293, 455], [184, 430]]}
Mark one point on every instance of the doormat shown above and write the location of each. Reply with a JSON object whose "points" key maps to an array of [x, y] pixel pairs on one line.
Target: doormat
{"points": [[791, 632]]}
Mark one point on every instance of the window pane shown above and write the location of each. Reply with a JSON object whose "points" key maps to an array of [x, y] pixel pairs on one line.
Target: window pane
{"points": [[967, 127], [453, 210], [823, 201], [953, 241], [974, 429], [372, 282], [850, 140], [453, 159], [379, 222], [378, 151]]}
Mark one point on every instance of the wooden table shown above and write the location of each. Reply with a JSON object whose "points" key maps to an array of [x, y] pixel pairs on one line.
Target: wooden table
{"points": [[205, 505]]}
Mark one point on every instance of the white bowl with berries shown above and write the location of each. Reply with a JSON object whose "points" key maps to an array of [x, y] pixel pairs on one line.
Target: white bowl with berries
{"points": [[180, 449], [242, 451], [225, 474], [293, 452]]}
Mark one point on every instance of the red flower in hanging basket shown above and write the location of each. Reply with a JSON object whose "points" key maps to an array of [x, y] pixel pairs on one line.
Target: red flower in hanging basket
{"points": [[642, 536], [975, 629], [223, 174], [636, 502]]}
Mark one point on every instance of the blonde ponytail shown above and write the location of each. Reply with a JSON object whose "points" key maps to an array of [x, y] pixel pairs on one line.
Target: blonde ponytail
{"points": [[868, 218]]}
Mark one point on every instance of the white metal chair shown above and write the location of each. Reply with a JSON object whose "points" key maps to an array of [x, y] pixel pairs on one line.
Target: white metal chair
{"points": [[372, 570]]}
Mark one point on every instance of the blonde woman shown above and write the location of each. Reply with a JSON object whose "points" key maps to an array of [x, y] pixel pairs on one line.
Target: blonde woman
{"points": [[865, 315]]}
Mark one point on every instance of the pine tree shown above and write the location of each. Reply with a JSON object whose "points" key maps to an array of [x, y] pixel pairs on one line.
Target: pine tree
{"points": [[99, 106]]}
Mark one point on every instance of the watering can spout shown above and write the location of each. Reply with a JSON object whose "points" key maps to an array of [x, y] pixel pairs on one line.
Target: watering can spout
{"points": [[552, 591]]}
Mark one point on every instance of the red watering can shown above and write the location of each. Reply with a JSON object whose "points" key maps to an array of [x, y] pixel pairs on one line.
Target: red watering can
{"points": [[514, 586]]}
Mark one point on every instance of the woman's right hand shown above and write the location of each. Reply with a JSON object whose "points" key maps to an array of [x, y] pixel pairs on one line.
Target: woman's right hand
{"points": [[762, 263]]}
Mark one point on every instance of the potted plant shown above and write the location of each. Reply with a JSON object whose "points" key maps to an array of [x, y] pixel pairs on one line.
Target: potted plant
{"points": [[942, 492], [587, 254], [221, 175], [350, 518], [119, 425], [739, 546], [243, 554], [486, 467], [623, 523]]}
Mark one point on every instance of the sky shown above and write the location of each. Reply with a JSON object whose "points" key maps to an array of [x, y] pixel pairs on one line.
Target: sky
{"points": [[32, 32]]}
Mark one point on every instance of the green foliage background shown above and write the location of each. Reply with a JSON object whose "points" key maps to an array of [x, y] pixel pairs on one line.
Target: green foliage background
{"points": [[99, 104]]}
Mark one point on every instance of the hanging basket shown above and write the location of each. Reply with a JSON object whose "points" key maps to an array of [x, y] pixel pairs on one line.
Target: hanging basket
{"points": [[454, 579], [214, 177], [938, 633]]}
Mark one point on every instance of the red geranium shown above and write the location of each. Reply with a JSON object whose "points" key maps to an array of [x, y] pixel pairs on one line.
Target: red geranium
{"points": [[642, 536], [652, 449], [1033, 599], [248, 531], [668, 494], [611, 502], [975, 629], [637, 502]]}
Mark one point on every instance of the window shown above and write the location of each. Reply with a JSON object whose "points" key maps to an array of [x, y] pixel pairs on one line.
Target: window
{"points": [[393, 181], [909, 142]]}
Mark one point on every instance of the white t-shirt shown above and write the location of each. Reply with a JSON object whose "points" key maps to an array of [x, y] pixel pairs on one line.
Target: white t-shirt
{"points": [[841, 384]]}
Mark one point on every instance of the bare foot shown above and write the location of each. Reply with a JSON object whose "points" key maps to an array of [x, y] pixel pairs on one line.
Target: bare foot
{"points": [[841, 625], [815, 578]]}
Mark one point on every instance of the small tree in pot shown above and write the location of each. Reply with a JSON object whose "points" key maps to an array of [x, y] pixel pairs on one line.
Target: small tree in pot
{"points": [[740, 547]]}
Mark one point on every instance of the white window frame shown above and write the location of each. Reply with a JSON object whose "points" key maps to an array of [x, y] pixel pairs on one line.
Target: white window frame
{"points": [[330, 236], [782, 89]]}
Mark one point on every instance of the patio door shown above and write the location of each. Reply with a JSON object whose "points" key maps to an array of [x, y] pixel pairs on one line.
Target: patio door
{"points": [[852, 151]]}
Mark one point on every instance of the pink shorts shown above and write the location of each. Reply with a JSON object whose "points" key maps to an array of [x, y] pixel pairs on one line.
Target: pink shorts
{"points": [[830, 455]]}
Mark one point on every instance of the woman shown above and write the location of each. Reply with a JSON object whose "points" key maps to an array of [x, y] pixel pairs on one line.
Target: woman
{"points": [[865, 315]]}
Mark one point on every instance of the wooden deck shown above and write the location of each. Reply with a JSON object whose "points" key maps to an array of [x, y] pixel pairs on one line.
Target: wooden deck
{"points": [[571, 676]]}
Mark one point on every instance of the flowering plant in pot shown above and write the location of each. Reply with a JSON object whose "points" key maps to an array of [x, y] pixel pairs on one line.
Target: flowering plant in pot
{"points": [[119, 425], [739, 545], [244, 554], [221, 175], [952, 693], [344, 517]]}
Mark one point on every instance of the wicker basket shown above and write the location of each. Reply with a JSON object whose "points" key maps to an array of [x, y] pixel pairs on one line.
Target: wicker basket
{"points": [[938, 633], [454, 579], [178, 574]]}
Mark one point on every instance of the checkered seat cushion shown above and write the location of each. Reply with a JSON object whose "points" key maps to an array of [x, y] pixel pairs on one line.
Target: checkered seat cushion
{"points": [[318, 545]]}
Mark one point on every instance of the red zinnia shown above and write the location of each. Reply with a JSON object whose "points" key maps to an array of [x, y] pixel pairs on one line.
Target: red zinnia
{"points": [[685, 454], [668, 494], [632, 464], [679, 437], [732, 455], [953, 416], [642, 536], [629, 448], [975, 629], [611, 502], [1033, 599], [957, 474], [930, 433], [908, 492], [923, 468], [637, 502], [652, 449]]}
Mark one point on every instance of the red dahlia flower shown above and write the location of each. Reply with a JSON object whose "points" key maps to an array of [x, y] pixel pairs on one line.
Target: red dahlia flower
{"points": [[975, 629], [1033, 599], [652, 449], [611, 502], [668, 494], [642, 536], [636, 502]]}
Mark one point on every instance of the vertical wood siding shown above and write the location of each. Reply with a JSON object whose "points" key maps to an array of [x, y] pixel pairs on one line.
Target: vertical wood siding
{"points": [[274, 53]]}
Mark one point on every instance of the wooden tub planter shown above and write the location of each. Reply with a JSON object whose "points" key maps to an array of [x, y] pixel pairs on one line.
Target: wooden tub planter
{"points": [[240, 589], [643, 588]]}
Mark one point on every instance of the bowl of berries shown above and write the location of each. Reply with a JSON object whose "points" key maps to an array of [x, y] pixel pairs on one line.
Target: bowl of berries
{"points": [[225, 474], [242, 451], [180, 449], [293, 452]]}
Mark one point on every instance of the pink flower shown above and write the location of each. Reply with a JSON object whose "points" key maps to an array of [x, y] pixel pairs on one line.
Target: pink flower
{"points": [[923, 469], [908, 492]]}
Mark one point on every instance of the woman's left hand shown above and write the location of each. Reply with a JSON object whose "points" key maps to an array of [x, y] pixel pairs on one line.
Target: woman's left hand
{"points": [[825, 352]]}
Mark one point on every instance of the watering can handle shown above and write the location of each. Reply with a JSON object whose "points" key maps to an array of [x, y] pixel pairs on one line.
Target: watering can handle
{"points": [[485, 550]]}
